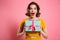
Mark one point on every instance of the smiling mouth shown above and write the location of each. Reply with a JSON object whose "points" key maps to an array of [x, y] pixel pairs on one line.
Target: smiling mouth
{"points": [[32, 14]]}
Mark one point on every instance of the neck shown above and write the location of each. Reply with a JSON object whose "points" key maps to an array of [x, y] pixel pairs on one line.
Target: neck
{"points": [[33, 18]]}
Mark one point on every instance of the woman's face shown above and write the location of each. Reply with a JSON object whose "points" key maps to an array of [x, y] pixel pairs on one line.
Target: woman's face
{"points": [[33, 10]]}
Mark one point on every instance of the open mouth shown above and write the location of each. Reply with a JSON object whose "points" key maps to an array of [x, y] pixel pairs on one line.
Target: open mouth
{"points": [[32, 14]]}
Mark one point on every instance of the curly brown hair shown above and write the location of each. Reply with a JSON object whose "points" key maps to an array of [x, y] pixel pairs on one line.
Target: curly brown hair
{"points": [[38, 8]]}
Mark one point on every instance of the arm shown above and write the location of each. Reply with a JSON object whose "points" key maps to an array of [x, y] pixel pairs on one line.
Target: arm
{"points": [[43, 29], [21, 28], [44, 32], [20, 32]]}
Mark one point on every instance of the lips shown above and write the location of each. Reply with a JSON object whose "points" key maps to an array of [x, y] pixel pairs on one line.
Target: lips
{"points": [[32, 14]]}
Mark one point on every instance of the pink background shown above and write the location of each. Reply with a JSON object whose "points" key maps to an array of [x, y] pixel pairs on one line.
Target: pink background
{"points": [[13, 11]]}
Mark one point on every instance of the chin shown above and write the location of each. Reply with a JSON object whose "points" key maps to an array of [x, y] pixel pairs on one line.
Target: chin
{"points": [[32, 16]]}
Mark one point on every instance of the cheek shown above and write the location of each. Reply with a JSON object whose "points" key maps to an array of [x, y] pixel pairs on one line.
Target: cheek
{"points": [[35, 11], [30, 11]]}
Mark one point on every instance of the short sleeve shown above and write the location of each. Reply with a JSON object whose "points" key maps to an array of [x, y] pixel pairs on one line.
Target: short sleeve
{"points": [[21, 23], [43, 24]]}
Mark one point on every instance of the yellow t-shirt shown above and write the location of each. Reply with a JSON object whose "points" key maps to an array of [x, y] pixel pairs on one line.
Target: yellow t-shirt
{"points": [[33, 35]]}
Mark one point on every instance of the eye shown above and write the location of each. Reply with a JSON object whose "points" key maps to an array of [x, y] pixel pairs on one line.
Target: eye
{"points": [[35, 8], [30, 8]]}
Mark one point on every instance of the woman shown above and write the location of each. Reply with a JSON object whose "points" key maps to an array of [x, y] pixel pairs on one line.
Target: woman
{"points": [[33, 14]]}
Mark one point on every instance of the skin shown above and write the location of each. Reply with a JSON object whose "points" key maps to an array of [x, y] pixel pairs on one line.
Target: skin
{"points": [[33, 9]]}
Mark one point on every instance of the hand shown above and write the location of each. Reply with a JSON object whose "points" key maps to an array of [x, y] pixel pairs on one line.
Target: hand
{"points": [[21, 33], [44, 32], [40, 28]]}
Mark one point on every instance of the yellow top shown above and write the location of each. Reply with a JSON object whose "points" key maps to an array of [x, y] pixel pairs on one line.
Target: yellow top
{"points": [[33, 35]]}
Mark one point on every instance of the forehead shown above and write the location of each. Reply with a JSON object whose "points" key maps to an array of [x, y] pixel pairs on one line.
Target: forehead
{"points": [[33, 6]]}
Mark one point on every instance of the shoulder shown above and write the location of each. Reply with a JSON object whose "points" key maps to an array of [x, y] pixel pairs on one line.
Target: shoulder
{"points": [[43, 24], [24, 19], [41, 19]]}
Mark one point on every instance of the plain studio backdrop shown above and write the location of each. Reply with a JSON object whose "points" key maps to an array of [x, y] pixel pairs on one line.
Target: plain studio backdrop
{"points": [[13, 11]]}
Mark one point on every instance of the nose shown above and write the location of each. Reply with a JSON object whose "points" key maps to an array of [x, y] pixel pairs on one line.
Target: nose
{"points": [[32, 10]]}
